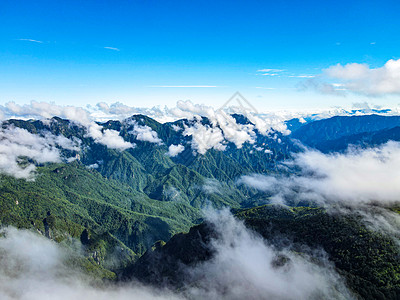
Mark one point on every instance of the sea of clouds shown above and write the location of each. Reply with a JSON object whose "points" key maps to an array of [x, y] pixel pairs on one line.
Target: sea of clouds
{"points": [[34, 267]]}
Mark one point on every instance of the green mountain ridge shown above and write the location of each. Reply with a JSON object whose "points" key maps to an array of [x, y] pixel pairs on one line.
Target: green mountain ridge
{"points": [[124, 205]]}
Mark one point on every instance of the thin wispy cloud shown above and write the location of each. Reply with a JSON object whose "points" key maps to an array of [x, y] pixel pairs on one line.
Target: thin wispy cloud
{"points": [[112, 48], [182, 86], [282, 73], [270, 70], [30, 40]]}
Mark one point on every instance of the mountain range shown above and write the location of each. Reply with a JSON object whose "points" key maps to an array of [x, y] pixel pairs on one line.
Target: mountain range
{"points": [[134, 193]]}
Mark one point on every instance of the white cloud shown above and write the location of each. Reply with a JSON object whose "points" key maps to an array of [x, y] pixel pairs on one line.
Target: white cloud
{"points": [[103, 112], [46, 110], [111, 48], [93, 166], [63, 142], [220, 119], [234, 132], [360, 78], [266, 123], [172, 194], [43, 272], [78, 115], [270, 74], [31, 40], [223, 127], [176, 128], [145, 133], [270, 70], [16, 143], [205, 137], [243, 268], [108, 137], [352, 178], [211, 186], [174, 150]]}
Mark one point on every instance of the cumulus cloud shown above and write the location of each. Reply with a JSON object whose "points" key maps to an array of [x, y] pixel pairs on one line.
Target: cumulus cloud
{"points": [[108, 137], [221, 117], [234, 132], [145, 133], [174, 150], [355, 177], [223, 127], [17, 144], [359, 78], [243, 268], [205, 137]]}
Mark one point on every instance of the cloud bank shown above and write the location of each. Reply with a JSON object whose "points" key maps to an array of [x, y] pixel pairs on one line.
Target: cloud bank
{"points": [[78, 115], [355, 177], [221, 129], [35, 268], [18, 146], [243, 267]]}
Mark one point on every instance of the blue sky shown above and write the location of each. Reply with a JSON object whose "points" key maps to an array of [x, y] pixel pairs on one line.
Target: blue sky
{"points": [[144, 53]]}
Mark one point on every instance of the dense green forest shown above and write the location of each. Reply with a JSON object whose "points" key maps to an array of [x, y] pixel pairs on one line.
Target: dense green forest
{"points": [[138, 212]]}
